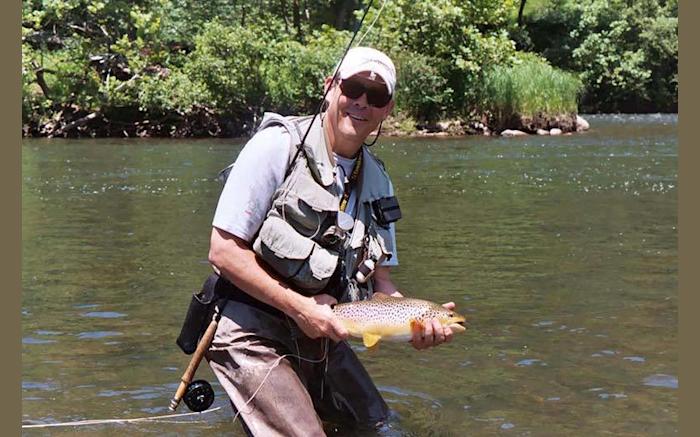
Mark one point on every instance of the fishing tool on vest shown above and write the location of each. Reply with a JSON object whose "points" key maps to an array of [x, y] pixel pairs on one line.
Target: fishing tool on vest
{"points": [[386, 210], [344, 222]]}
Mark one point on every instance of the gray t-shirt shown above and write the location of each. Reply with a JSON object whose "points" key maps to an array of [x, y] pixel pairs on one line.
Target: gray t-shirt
{"points": [[257, 173]]}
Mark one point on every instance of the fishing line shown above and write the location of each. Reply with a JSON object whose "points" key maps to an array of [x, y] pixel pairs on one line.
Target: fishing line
{"points": [[372, 24], [167, 417], [272, 367], [335, 75], [163, 418]]}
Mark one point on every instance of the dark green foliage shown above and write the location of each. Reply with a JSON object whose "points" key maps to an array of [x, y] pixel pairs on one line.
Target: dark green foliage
{"points": [[423, 91], [625, 52], [187, 67]]}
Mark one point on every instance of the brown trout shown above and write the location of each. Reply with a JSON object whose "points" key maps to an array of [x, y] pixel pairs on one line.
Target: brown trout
{"points": [[393, 318]]}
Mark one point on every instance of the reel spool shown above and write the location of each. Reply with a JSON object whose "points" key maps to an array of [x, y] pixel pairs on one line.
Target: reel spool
{"points": [[199, 396]]}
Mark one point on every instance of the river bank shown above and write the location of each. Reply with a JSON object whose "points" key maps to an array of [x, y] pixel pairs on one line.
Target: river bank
{"points": [[72, 122], [518, 126]]}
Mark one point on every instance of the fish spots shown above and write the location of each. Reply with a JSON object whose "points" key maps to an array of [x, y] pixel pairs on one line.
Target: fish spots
{"points": [[391, 317]]}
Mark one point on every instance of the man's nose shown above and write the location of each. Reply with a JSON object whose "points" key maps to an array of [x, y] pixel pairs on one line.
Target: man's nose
{"points": [[361, 101]]}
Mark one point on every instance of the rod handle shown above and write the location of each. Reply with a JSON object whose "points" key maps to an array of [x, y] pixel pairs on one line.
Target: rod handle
{"points": [[186, 379]]}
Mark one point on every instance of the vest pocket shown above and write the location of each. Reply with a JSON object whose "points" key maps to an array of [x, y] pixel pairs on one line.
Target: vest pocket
{"points": [[299, 260], [308, 205]]}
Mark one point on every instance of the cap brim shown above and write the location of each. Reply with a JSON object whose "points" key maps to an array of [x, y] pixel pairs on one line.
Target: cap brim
{"points": [[386, 77]]}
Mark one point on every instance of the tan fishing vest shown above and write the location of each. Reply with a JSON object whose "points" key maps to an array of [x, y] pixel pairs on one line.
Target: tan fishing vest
{"points": [[294, 237]]}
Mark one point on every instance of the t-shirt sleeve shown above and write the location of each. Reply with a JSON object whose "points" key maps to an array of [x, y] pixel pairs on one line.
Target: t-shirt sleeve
{"points": [[255, 176], [389, 236]]}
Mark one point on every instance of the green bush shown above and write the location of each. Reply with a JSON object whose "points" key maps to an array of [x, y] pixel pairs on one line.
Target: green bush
{"points": [[628, 56], [530, 87], [422, 92], [293, 73], [460, 39], [548, 32], [625, 52]]}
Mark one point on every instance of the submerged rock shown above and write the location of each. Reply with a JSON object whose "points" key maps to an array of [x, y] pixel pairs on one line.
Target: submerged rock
{"points": [[581, 124], [512, 133]]}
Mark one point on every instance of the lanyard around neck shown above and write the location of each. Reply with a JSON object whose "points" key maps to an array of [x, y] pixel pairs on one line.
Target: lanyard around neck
{"points": [[350, 184]]}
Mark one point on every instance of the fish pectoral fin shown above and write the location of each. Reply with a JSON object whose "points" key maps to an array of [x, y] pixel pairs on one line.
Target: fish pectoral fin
{"points": [[417, 326], [370, 339], [380, 295]]}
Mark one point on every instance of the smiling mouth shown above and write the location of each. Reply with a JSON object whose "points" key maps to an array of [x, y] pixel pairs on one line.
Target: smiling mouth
{"points": [[355, 117]]}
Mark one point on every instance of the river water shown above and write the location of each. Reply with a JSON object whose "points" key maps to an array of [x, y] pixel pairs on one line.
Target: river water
{"points": [[561, 251]]}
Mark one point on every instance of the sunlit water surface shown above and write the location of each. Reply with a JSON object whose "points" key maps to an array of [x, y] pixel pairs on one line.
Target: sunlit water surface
{"points": [[562, 252]]}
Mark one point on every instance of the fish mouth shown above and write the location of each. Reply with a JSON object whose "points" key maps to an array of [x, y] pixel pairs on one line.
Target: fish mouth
{"points": [[458, 326]]}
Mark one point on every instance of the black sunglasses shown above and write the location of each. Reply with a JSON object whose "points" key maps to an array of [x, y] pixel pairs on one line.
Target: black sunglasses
{"points": [[377, 97]]}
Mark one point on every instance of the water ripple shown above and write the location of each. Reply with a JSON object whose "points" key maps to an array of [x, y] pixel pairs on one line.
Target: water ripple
{"points": [[104, 314], [661, 380], [98, 334]]}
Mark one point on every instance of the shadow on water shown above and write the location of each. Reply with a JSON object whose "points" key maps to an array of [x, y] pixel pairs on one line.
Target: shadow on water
{"points": [[561, 251]]}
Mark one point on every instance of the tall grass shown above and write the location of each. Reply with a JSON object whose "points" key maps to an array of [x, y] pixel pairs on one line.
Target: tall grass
{"points": [[529, 88]]}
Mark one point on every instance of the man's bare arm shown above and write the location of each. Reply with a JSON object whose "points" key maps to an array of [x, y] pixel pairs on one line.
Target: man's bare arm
{"points": [[236, 261]]}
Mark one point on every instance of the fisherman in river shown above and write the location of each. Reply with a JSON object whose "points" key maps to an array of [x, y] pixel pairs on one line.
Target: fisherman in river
{"points": [[306, 220]]}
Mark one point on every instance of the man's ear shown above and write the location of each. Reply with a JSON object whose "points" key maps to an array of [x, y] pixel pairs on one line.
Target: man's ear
{"points": [[389, 108], [327, 83]]}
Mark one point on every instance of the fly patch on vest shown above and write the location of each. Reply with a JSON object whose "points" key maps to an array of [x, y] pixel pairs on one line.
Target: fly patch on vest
{"points": [[297, 239], [292, 238]]}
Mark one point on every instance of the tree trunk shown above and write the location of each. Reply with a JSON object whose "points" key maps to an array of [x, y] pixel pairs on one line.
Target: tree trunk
{"points": [[343, 17], [79, 122], [283, 12], [39, 73], [520, 13], [296, 15]]}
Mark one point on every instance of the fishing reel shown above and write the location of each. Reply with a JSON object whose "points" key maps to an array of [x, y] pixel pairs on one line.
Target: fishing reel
{"points": [[199, 395]]}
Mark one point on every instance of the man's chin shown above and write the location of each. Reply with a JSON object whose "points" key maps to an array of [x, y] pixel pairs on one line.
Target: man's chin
{"points": [[355, 129]]}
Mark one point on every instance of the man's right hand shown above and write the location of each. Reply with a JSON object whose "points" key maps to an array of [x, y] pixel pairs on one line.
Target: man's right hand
{"points": [[315, 318]]}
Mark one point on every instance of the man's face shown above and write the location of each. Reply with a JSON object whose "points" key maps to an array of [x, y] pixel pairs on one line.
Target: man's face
{"points": [[354, 119]]}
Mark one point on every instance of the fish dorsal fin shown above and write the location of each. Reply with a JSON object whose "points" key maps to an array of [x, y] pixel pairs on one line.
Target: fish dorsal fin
{"points": [[370, 339], [380, 295]]}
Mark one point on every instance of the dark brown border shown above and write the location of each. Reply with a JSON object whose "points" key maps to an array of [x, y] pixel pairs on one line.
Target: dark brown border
{"points": [[10, 126], [688, 218]]}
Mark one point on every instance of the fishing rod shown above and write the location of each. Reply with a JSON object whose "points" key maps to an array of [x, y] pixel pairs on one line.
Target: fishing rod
{"points": [[199, 395], [335, 73]]}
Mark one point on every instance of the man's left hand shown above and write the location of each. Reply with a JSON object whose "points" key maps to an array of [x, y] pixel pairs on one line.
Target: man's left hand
{"points": [[432, 333]]}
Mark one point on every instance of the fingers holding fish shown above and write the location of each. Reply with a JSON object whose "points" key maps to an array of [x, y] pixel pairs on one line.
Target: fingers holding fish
{"points": [[432, 334], [423, 323], [316, 318]]}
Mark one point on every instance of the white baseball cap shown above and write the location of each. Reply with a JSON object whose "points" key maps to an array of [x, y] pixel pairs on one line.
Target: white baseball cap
{"points": [[361, 59]]}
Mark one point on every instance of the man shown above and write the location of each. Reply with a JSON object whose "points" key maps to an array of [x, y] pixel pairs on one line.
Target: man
{"points": [[305, 208]]}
